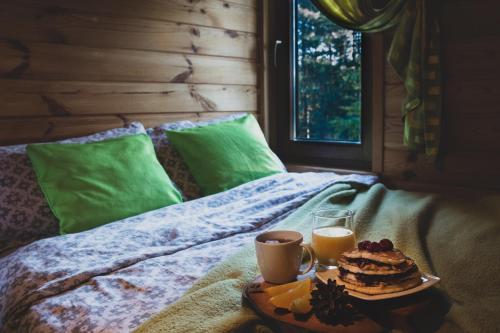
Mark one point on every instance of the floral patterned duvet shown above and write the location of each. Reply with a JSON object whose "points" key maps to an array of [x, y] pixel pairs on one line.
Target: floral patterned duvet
{"points": [[113, 278]]}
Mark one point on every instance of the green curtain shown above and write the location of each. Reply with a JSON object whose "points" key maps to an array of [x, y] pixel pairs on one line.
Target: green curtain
{"points": [[414, 54]]}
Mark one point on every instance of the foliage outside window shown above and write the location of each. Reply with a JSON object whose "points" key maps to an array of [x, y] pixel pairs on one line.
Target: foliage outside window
{"points": [[328, 74]]}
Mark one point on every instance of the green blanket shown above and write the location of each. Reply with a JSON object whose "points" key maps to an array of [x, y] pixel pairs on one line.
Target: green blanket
{"points": [[455, 238]]}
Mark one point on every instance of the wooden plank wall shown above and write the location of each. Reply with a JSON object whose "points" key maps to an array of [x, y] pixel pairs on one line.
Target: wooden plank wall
{"points": [[73, 67], [471, 137]]}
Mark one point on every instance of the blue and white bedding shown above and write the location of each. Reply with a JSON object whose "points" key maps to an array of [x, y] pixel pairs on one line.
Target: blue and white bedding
{"points": [[113, 278]]}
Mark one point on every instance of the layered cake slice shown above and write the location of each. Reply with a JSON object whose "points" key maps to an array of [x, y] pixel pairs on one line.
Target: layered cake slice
{"points": [[377, 268]]}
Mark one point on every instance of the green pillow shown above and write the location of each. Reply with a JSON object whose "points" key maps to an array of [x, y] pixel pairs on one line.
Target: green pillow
{"points": [[91, 184], [224, 155]]}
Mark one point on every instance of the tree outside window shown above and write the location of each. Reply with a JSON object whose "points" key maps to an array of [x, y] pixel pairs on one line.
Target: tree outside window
{"points": [[328, 72]]}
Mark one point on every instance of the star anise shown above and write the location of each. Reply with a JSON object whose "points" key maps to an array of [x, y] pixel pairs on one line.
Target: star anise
{"points": [[331, 304]]}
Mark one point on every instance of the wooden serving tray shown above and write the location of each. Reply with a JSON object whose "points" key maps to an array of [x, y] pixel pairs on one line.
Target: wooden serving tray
{"points": [[374, 316]]}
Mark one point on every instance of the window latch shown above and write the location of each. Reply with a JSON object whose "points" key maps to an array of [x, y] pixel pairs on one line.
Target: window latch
{"points": [[276, 44]]}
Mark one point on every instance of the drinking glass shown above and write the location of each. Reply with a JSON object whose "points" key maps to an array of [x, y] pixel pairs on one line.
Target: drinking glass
{"points": [[332, 235]]}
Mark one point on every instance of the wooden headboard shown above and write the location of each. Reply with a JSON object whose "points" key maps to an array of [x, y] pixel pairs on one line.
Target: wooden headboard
{"points": [[73, 67]]}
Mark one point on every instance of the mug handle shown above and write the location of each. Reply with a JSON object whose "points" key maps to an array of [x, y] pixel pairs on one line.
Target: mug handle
{"points": [[312, 257]]}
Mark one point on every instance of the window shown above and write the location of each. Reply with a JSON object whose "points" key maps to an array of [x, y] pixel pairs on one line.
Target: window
{"points": [[328, 78], [320, 88]]}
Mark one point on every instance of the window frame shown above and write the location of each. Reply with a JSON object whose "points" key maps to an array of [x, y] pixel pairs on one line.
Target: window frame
{"points": [[282, 100]]}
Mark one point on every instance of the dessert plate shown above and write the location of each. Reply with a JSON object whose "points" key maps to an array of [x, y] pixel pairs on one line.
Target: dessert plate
{"points": [[428, 281]]}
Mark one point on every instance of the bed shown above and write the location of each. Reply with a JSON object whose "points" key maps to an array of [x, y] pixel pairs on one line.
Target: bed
{"points": [[113, 278], [453, 236], [146, 271], [141, 272]]}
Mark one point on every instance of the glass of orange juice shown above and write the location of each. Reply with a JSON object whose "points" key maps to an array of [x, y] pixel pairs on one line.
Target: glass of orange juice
{"points": [[332, 234]]}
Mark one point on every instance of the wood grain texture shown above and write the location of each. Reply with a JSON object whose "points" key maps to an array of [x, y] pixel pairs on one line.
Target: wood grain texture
{"points": [[462, 60], [471, 96], [287, 322], [377, 102], [20, 98], [393, 133], [483, 13], [42, 61], [470, 132], [479, 132], [394, 93], [470, 169], [471, 121], [72, 67], [212, 13], [36, 24], [40, 129]]}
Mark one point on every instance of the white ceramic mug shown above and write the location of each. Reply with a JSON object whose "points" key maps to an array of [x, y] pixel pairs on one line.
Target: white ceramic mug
{"points": [[279, 255]]}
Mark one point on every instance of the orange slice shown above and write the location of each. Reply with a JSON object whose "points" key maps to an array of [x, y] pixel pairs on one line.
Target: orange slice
{"points": [[301, 305], [280, 289], [286, 299]]}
